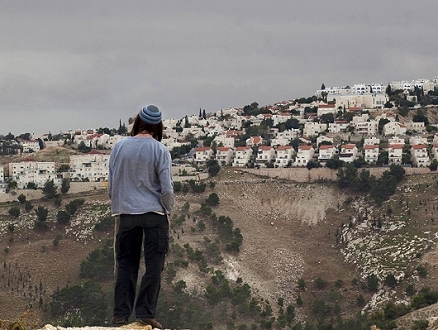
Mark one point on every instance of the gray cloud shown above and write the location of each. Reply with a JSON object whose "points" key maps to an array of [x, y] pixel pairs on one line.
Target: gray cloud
{"points": [[86, 64]]}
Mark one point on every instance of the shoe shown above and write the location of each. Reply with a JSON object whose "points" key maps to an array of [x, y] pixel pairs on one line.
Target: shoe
{"points": [[119, 320], [152, 322]]}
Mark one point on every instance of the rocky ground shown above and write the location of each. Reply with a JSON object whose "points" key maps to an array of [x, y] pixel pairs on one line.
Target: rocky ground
{"points": [[289, 233]]}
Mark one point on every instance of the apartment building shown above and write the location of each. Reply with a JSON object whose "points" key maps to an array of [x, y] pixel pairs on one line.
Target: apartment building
{"points": [[348, 153], [2, 180], [242, 156], [312, 128], [326, 151], [419, 155], [304, 155], [203, 154], [224, 155], [92, 166], [395, 152], [265, 155], [29, 170], [371, 153], [284, 156]]}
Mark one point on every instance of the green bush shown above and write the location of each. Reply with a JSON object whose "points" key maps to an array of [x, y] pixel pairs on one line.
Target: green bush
{"points": [[14, 211]]}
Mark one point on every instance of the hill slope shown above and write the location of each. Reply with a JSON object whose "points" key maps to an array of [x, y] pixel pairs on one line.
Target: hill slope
{"points": [[291, 231]]}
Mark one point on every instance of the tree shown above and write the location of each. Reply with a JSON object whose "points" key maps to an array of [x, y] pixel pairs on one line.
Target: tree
{"points": [[388, 105], [63, 217], [213, 167], [212, 200], [334, 163], [65, 185], [397, 171], [420, 117], [14, 211], [327, 118], [388, 90], [382, 122], [49, 189], [42, 213], [347, 176], [21, 198], [28, 206]]}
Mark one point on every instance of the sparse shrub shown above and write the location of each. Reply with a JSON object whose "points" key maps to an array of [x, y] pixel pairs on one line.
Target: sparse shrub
{"points": [[360, 300], [28, 206], [14, 211], [21, 198], [63, 217], [390, 281], [212, 200], [372, 283], [422, 271], [49, 189], [177, 186], [41, 225], [65, 185], [410, 290], [320, 283], [420, 325], [42, 213], [11, 227], [301, 283]]}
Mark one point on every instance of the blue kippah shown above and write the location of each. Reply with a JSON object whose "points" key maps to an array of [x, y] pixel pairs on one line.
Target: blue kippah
{"points": [[150, 114]]}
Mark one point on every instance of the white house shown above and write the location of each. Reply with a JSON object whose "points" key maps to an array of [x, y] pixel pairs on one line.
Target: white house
{"points": [[339, 126], [326, 109], [224, 141], [417, 140], [254, 141], [304, 155], [203, 154], [415, 126], [242, 156], [371, 153], [284, 156], [281, 117], [326, 151], [30, 145], [323, 138], [394, 128], [434, 152], [395, 152], [396, 140], [366, 127], [92, 166], [419, 155], [365, 101], [2, 180], [311, 128], [284, 138], [371, 141], [30, 170], [348, 153], [224, 155], [265, 155]]}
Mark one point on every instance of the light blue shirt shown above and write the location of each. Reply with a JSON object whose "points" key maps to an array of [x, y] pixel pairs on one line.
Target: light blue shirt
{"points": [[140, 177]]}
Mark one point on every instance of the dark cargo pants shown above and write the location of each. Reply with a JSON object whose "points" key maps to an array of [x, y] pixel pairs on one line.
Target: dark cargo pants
{"points": [[151, 230]]}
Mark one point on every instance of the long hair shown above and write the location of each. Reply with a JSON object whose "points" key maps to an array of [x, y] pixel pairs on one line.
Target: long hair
{"points": [[156, 130]]}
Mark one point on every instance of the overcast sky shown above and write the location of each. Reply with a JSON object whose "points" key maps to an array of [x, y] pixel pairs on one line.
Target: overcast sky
{"points": [[89, 64]]}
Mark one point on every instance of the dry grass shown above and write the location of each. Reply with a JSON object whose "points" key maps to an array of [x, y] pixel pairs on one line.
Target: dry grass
{"points": [[288, 230]]}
